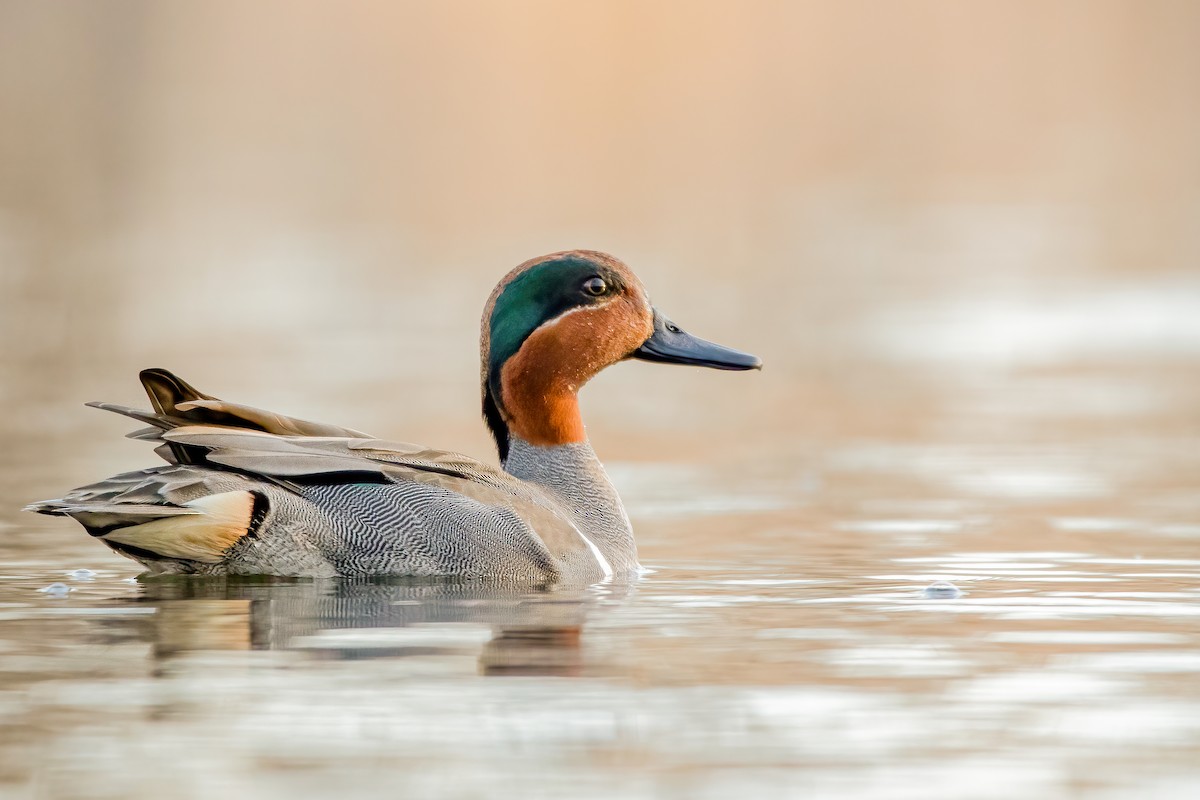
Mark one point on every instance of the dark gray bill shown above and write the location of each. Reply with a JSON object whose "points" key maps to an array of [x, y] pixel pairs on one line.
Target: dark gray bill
{"points": [[670, 345]]}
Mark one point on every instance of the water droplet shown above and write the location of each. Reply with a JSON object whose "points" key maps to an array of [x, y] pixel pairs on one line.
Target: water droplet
{"points": [[941, 590], [56, 590], [82, 574]]}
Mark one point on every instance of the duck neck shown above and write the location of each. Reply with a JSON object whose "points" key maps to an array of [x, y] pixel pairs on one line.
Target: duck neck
{"points": [[541, 402], [576, 478]]}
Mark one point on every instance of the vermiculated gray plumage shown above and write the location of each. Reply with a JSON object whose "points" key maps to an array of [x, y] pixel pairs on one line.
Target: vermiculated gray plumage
{"points": [[329, 501], [576, 481]]}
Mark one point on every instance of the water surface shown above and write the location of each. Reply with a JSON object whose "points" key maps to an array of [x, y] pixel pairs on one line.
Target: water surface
{"points": [[783, 642]]}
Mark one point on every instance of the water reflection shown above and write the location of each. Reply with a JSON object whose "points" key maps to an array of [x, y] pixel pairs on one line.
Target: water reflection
{"points": [[1051, 663], [507, 630]]}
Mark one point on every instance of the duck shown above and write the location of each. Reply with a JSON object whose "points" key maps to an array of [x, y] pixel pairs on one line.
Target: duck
{"points": [[246, 491]]}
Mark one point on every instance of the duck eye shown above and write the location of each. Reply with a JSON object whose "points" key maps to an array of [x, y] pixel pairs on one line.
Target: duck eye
{"points": [[595, 286]]}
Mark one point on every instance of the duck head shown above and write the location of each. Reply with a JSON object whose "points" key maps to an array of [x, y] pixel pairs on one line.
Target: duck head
{"points": [[553, 323]]}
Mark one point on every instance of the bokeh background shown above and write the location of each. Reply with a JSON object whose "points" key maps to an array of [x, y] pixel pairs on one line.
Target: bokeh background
{"points": [[304, 204]]}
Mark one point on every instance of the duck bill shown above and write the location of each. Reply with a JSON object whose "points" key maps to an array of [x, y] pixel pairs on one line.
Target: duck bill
{"points": [[671, 345]]}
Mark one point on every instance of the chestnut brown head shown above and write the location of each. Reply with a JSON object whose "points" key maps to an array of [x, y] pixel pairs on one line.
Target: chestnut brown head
{"points": [[556, 321]]}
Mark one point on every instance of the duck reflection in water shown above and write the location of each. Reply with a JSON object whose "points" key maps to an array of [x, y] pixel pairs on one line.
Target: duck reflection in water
{"points": [[510, 630]]}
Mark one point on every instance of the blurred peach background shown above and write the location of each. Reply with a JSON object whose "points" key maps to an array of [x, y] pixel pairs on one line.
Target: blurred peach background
{"points": [[303, 205]]}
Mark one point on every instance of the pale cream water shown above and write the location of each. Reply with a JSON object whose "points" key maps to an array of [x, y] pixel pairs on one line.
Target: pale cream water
{"points": [[790, 637]]}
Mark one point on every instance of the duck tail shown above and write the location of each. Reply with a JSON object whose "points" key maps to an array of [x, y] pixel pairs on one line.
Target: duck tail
{"points": [[178, 404], [166, 390], [201, 530]]}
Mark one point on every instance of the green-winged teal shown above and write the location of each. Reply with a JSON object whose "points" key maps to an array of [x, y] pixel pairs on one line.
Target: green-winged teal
{"points": [[247, 491]]}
